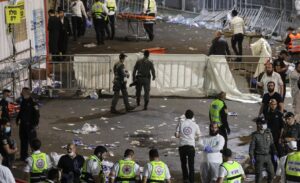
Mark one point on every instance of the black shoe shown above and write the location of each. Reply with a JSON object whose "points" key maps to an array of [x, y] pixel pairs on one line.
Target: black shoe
{"points": [[114, 111], [130, 108], [145, 108]]}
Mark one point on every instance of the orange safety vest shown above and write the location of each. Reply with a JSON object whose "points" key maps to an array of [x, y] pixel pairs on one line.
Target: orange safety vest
{"points": [[294, 45]]}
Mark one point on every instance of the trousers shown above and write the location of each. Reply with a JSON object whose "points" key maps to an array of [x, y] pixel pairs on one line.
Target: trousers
{"points": [[187, 155]]}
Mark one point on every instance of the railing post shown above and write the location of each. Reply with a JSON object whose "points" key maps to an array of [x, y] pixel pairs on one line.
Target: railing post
{"points": [[183, 5]]}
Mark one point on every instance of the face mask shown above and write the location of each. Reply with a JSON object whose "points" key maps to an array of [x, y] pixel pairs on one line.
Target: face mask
{"points": [[264, 126], [7, 129], [8, 99], [71, 154]]}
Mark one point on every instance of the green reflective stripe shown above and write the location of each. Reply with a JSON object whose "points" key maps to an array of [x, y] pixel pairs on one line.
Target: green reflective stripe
{"points": [[87, 175], [233, 173], [292, 169], [126, 169], [39, 163], [158, 171], [97, 9], [214, 111]]}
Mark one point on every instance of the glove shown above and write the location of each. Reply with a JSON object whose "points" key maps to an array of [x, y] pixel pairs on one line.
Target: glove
{"points": [[275, 158], [253, 161], [228, 131], [208, 149]]}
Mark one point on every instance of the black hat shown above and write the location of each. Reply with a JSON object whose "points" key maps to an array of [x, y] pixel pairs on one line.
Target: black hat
{"points": [[59, 9], [122, 56], [289, 114], [261, 121], [226, 152]]}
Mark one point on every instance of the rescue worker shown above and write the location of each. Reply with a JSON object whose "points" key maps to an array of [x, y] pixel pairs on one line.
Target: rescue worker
{"points": [[150, 9], [8, 147], [141, 74], [156, 170], [188, 132], [120, 82], [218, 114], [4, 104], [292, 167], [230, 171], [37, 164], [112, 8], [92, 171], [293, 43], [289, 31], [99, 12], [261, 151], [212, 158], [27, 120], [125, 170]]}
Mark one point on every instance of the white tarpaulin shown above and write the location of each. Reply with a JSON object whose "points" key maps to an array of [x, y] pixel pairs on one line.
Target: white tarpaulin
{"points": [[176, 75]]}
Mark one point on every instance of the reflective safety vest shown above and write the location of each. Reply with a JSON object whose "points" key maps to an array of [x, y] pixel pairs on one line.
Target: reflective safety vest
{"points": [[97, 10], [158, 173], [87, 176], [292, 167], [126, 171], [233, 173], [111, 5], [151, 6], [294, 45], [39, 167], [214, 111]]}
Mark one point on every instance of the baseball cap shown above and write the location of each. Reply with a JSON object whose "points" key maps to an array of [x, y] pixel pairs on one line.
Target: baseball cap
{"points": [[292, 145], [289, 114], [226, 152], [122, 56]]}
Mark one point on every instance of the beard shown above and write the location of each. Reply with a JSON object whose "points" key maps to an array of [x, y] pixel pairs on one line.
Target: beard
{"points": [[270, 90], [212, 133], [269, 73]]}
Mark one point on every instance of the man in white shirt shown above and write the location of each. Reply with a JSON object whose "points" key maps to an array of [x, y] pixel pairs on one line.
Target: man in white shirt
{"points": [[78, 10], [237, 24], [112, 8], [212, 157], [5, 173], [187, 131], [150, 9], [294, 77]]}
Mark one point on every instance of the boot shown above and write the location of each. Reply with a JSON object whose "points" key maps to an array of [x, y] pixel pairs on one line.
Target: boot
{"points": [[138, 102], [146, 106], [114, 111]]}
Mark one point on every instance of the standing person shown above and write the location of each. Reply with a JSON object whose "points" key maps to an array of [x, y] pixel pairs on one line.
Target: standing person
{"points": [[78, 11], [53, 28], [261, 151], [297, 102], [92, 171], [53, 176], [212, 158], [156, 170], [27, 120], [219, 45], [120, 82], [292, 42], [267, 97], [8, 147], [187, 131], [218, 114], [287, 41], [230, 171], [71, 165], [280, 67], [4, 104], [125, 170], [237, 24], [37, 164], [141, 74], [5, 174], [99, 12], [150, 9], [112, 8], [294, 77], [64, 33]]}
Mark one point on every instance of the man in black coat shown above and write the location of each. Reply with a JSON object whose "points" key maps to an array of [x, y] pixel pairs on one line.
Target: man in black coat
{"points": [[53, 28], [64, 32], [219, 45]]}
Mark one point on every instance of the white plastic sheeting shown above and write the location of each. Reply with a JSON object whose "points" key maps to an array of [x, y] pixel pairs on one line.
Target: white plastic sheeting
{"points": [[176, 75]]}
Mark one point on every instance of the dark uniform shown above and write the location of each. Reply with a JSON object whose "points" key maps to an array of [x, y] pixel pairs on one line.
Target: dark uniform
{"points": [[141, 73], [5, 110], [261, 149], [7, 158], [290, 131], [29, 119]]}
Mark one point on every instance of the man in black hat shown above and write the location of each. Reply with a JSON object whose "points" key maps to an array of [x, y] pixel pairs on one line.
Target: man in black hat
{"points": [[141, 74], [64, 32], [230, 171], [120, 82]]}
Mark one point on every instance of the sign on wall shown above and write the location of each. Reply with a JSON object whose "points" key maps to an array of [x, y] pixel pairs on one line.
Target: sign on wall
{"points": [[38, 27], [13, 14]]}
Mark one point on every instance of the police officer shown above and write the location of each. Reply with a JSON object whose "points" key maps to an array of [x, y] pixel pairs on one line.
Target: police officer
{"points": [[8, 147], [230, 171], [112, 8], [218, 114], [37, 164], [156, 170], [141, 74], [4, 104], [27, 120], [292, 167], [92, 171], [150, 9], [261, 150], [120, 82], [125, 170], [99, 12]]}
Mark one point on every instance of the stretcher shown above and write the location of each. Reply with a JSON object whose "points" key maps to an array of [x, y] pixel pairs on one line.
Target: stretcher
{"points": [[135, 27]]}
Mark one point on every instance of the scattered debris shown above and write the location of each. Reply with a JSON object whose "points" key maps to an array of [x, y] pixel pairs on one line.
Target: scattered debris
{"points": [[135, 142], [55, 128], [232, 113], [90, 45], [86, 129], [162, 124]]}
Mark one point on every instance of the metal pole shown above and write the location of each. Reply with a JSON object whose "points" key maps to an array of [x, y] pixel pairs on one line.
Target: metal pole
{"points": [[183, 5], [29, 66]]}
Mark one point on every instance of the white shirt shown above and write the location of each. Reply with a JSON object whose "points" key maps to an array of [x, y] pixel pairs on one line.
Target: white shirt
{"points": [[237, 25], [6, 175], [281, 170], [146, 4], [294, 76], [188, 131], [116, 168], [115, 5], [93, 167], [275, 77], [148, 170], [78, 9], [216, 142], [29, 161], [223, 172]]}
